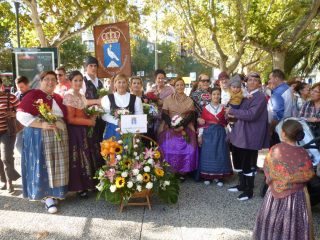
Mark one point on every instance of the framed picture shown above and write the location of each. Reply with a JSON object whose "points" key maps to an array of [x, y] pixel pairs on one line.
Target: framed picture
{"points": [[30, 62]]}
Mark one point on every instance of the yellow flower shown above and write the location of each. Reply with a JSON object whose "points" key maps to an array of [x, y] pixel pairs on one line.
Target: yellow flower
{"points": [[157, 154], [159, 172], [120, 182], [118, 150], [146, 177], [128, 163]]}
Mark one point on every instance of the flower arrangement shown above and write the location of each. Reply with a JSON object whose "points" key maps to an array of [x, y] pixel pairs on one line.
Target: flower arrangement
{"points": [[176, 122], [130, 168], [45, 114], [91, 111]]}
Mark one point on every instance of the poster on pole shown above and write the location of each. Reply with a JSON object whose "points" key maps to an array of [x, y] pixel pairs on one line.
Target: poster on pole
{"points": [[112, 49], [30, 62]]}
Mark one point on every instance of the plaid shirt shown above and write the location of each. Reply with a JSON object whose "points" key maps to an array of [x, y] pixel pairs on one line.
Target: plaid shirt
{"points": [[309, 110]]}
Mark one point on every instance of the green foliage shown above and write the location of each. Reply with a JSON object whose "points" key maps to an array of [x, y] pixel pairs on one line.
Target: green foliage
{"points": [[72, 53]]}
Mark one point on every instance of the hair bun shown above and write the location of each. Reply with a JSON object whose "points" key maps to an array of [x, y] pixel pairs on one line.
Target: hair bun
{"points": [[300, 136]]}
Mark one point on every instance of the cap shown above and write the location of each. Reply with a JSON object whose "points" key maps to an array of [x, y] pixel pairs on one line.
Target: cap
{"points": [[91, 60], [235, 81]]}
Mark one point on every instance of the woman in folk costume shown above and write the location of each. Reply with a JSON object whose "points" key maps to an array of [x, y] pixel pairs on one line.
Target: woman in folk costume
{"points": [[285, 212], [177, 137], [215, 161], [115, 103], [82, 164], [45, 157]]}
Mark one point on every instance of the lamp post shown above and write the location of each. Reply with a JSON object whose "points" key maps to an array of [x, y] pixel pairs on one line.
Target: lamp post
{"points": [[155, 45], [17, 6]]}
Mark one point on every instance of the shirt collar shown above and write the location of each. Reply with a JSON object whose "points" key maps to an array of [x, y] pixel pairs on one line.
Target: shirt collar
{"points": [[254, 91], [89, 78]]}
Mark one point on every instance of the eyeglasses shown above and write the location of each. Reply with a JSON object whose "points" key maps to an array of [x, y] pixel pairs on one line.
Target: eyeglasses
{"points": [[60, 74], [253, 79], [49, 80], [205, 80]]}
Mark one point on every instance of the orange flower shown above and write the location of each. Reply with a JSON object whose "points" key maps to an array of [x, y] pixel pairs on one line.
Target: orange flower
{"points": [[157, 154]]}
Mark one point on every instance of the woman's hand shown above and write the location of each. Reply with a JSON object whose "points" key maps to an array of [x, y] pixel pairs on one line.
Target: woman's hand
{"points": [[48, 126], [201, 121], [93, 120], [199, 141]]}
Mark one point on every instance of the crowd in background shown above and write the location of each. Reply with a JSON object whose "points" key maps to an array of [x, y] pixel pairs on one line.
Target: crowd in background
{"points": [[233, 116]]}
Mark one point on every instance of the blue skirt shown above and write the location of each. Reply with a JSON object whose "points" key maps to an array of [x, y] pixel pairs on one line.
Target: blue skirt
{"points": [[110, 131], [34, 169], [214, 158]]}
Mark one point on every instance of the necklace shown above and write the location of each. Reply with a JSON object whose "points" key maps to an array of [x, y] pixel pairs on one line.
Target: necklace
{"points": [[215, 109]]}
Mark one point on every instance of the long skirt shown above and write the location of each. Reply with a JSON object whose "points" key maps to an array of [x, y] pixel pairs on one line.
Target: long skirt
{"points": [[110, 131], [82, 164], [39, 178], [181, 155], [214, 157], [284, 218]]}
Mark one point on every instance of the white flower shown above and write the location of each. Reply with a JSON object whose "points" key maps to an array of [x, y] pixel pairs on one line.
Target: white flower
{"points": [[139, 178], [125, 147], [135, 171], [101, 173], [119, 157], [120, 141], [151, 161], [135, 146], [113, 188], [100, 186], [149, 185], [129, 184], [137, 157], [166, 183], [139, 188], [135, 154], [146, 169], [138, 140], [124, 174]]}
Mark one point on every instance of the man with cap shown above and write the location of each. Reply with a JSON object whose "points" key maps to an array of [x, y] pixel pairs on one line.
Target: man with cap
{"points": [[90, 90], [92, 83], [248, 136]]}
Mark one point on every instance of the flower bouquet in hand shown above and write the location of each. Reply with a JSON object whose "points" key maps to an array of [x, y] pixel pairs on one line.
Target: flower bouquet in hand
{"points": [[132, 168], [176, 122], [93, 111], [45, 114], [120, 111]]}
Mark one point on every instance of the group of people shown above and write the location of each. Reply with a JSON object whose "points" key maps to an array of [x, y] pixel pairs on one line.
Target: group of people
{"points": [[196, 135]]}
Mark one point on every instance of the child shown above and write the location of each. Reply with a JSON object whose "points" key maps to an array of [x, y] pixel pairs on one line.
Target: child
{"points": [[215, 160], [285, 211], [233, 95]]}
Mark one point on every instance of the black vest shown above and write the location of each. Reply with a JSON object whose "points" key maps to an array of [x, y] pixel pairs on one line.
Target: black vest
{"points": [[114, 107], [91, 91]]}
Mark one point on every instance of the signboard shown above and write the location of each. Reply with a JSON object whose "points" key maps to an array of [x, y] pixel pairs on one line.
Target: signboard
{"points": [[193, 76], [112, 48], [134, 123], [30, 62]]}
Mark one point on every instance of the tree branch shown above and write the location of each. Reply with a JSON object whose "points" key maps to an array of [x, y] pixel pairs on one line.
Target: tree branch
{"points": [[304, 23]]}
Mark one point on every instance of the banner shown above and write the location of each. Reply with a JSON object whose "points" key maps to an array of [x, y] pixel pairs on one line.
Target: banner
{"points": [[112, 48], [30, 62]]}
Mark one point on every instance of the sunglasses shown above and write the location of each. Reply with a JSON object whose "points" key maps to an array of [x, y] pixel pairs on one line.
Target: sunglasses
{"points": [[205, 80]]}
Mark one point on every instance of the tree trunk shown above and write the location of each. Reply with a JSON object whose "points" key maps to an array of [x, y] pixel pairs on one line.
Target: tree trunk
{"points": [[278, 58], [37, 24]]}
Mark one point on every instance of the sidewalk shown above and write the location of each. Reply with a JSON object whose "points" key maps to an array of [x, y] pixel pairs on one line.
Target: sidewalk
{"points": [[203, 212]]}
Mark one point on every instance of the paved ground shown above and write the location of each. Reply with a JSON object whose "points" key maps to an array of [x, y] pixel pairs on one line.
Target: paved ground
{"points": [[203, 212]]}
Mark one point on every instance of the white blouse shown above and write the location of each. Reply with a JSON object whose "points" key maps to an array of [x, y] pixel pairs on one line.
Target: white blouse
{"points": [[122, 101], [26, 118]]}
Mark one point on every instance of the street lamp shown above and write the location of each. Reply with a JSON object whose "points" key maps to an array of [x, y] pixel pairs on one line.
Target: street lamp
{"points": [[17, 6]]}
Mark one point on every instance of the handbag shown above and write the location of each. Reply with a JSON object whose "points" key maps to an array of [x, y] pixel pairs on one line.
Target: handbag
{"points": [[13, 126]]}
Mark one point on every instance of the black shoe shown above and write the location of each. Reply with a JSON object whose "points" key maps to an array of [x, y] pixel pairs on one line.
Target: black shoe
{"points": [[83, 194], [235, 189], [182, 179], [241, 185], [246, 195]]}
